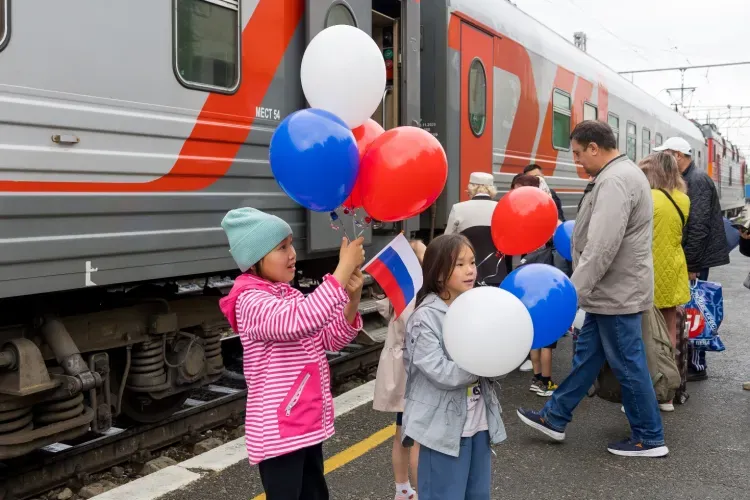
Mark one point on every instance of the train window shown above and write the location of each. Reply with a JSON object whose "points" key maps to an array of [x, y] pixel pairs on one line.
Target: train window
{"points": [[207, 44], [658, 140], [340, 14], [614, 123], [589, 111], [561, 107], [4, 32], [730, 174], [645, 142], [631, 140], [477, 97]]}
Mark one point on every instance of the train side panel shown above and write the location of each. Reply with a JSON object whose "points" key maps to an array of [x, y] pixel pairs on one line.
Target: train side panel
{"points": [[541, 87], [116, 165], [726, 168]]}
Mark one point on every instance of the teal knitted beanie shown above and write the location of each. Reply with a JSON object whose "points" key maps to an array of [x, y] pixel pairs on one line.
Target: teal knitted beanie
{"points": [[252, 234]]}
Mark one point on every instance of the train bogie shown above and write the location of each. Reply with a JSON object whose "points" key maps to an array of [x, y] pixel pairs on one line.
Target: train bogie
{"points": [[68, 375]]}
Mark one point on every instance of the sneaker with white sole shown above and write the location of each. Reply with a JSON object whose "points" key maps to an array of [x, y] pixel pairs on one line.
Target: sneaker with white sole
{"points": [[406, 495], [548, 390], [666, 406], [537, 386], [534, 420], [631, 448]]}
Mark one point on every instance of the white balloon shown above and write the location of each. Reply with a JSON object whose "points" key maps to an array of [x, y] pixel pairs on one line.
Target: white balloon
{"points": [[343, 72], [488, 331], [580, 317]]}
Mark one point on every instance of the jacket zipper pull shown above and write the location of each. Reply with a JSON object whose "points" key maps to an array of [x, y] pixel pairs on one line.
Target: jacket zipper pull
{"points": [[297, 395]]}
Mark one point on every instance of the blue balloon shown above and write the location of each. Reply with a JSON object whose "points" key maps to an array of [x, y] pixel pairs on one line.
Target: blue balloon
{"points": [[314, 158], [563, 238], [550, 298]]}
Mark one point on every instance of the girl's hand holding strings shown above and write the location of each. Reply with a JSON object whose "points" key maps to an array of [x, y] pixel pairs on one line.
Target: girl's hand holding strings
{"points": [[351, 256]]}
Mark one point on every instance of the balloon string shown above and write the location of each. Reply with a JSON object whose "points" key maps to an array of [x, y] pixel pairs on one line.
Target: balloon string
{"points": [[497, 268], [487, 258], [346, 233]]}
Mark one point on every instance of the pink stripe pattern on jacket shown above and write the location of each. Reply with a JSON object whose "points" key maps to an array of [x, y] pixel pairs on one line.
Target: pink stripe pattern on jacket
{"points": [[285, 336]]}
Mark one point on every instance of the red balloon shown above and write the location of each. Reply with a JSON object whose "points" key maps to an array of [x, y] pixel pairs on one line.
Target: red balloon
{"points": [[364, 134], [523, 220], [402, 173]]}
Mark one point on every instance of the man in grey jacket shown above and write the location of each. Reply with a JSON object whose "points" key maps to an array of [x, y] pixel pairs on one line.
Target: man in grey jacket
{"points": [[614, 277]]}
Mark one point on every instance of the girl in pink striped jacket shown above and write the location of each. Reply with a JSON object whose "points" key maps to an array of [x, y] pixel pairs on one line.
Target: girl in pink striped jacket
{"points": [[284, 336]]}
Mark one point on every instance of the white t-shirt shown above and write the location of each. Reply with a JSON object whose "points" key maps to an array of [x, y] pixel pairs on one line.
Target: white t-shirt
{"points": [[476, 411]]}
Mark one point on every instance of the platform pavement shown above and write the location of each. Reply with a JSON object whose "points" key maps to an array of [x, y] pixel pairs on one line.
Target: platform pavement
{"points": [[709, 438]]}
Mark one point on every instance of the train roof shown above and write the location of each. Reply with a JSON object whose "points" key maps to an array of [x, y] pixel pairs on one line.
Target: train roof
{"points": [[506, 18]]}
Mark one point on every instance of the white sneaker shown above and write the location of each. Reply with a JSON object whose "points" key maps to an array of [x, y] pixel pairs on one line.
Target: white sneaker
{"points": [[622, 409], [406, 496], [666, 406], [527, 366]]}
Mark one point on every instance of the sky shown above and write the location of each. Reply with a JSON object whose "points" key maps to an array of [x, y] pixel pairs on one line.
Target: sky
{"points": [[651, 34]]}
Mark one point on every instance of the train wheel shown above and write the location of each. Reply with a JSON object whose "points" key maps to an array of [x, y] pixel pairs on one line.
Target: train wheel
{"points": [[139, 407], [143, 409]]}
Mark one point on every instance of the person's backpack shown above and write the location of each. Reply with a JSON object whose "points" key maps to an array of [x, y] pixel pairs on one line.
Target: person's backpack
{"points": [[660, 356], [543, 255]]}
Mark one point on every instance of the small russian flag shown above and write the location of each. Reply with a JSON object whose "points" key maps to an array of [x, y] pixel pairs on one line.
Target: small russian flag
{"points": [[397, 270]]}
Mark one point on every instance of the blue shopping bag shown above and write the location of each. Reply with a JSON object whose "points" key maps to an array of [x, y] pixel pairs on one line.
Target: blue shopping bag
{"points": [[704, 314]]}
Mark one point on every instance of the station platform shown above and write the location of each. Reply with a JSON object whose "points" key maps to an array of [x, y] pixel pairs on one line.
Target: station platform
{"points": [[708, 437]]}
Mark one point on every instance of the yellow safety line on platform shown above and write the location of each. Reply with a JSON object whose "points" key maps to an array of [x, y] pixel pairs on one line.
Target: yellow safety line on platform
{"points": [[354, 452]]}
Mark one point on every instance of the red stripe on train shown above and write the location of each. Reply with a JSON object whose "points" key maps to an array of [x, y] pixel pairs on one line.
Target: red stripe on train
{"points": [[265, 40]]}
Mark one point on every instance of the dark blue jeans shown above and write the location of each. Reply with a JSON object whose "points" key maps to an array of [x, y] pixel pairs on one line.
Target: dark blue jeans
{"points": [[619, 341]]}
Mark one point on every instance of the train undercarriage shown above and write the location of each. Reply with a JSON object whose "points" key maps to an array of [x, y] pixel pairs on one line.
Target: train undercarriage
{"points": [[64, 376], [84, 361]]}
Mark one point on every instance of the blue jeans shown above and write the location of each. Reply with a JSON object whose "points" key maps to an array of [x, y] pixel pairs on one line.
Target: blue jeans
{"points": [[618, 340], [466, 477]]}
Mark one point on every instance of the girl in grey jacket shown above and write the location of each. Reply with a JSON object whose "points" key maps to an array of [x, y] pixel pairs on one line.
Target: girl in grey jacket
{"points": [[452, 414]]}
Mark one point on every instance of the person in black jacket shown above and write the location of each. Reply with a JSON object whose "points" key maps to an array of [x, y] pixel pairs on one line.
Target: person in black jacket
{"points": [[536, 171], [473, 219], [559, 261], [704, 239]]}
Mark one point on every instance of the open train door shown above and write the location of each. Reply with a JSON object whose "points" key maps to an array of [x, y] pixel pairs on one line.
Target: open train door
{"points": [[395, 27], [319, 15]]}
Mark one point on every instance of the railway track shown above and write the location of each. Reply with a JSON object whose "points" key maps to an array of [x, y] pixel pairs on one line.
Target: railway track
{"points": [[218, 405]]}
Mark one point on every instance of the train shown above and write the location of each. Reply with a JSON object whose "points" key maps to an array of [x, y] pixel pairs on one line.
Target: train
{"points": [[727, 166], [122, 150]]}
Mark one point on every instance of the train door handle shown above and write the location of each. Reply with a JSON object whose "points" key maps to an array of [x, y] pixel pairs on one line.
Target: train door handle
{"points": [[387, 91], [65, 139]]}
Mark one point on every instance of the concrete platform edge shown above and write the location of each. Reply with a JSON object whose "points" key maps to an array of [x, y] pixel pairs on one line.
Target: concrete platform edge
{"points": [[175, 477]]}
